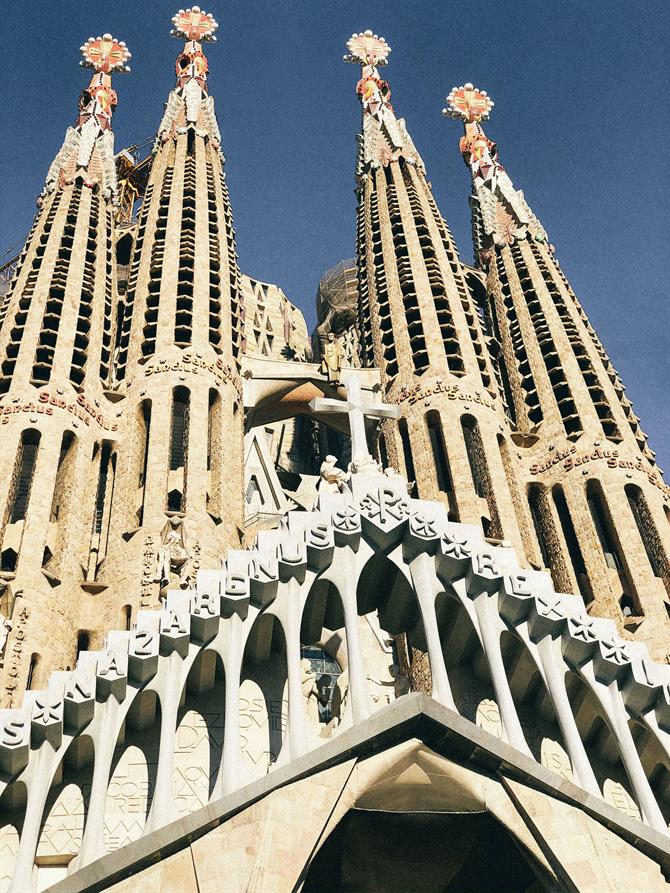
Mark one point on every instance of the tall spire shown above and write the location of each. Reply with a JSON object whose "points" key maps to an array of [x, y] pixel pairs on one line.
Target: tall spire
{"points": [[418, 320], [189, 106], [88, 149], [500, 212], [384, 136]]}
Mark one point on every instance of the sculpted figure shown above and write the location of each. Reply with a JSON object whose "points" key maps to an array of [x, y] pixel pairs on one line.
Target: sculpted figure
{"points": [[174, 558], [331, 362], [333, 479], [5, 630]]}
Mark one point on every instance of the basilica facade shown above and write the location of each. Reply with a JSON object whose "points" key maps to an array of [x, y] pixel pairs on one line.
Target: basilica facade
{"points": [[288, 612]]}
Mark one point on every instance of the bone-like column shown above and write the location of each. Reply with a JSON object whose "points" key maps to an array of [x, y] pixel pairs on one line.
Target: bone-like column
{"points": [[426, 587], [551, 658]]}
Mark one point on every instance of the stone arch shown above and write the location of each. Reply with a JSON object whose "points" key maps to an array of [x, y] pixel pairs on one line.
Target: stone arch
{"points": [[65, 812], [263, 695], [466, 664], [323, 627], [655, 762], [199, 733], [534, 705], [600, 744], [132, 777], [12, 809], [385, 596]]}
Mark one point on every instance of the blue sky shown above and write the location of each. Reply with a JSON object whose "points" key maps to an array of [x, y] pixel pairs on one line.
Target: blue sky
{"points": [[580, 119]]}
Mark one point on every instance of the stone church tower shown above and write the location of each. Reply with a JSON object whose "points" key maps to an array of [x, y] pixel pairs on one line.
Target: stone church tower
{"points": [[231, 659], [57, 424], [596, 497], [420, 325], [177, 352]]}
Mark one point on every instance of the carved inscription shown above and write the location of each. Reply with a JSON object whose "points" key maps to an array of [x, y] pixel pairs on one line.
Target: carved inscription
{"points": [[451, 391], [14, 654]]}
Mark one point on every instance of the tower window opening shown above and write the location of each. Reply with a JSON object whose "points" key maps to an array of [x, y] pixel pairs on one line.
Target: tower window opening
{"points": [[572, 542], [547, 536], [179, 432], [23, 474], [539, 522], [83, 642], [603, 526], [440, 457], [649, 534], [102, 488], [407, 452], [472, 448]]}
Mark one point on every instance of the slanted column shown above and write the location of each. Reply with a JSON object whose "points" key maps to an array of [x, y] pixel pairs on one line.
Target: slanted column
{"points": [[481, 583], [297, 714], [602, 674], [174, 629], [231, 759], [358, 691], [42, 766], [427, 586], [554, 668], [93, 839]]}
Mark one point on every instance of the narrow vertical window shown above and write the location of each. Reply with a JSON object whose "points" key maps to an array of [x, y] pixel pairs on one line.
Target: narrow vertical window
{"points": [[179, 428], [102, 488], [472, 448], [572, 542], [438, 446], [539, 522], [214, 452], [649, 534], [83, 641], [34, 663], [603, 526], [547, 537], [407, 451], [481, 477], [140, 464], [24, 472]]}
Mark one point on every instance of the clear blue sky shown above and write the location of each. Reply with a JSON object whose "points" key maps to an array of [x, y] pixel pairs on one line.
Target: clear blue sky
{"points": [[581, 122]]}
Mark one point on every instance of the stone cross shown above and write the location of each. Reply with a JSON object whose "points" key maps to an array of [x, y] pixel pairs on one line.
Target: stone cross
{"points": [[357, 409]]}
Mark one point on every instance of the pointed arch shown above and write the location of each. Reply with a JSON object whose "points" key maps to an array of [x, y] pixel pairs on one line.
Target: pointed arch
{"points": [[199, 734], [132, 776], [534, 706], [263, 695], [467, 667], [600, 744]]}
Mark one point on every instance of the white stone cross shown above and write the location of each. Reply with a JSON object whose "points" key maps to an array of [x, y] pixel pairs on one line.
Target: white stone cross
{"points": [[357, 409]]}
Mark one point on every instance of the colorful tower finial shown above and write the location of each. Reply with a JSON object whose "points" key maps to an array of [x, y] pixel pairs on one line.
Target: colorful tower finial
{"points": [[387, 140], [367, 48], [194, 24], [469, 104], [92, 133], [501, 215], [105, 54]]}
